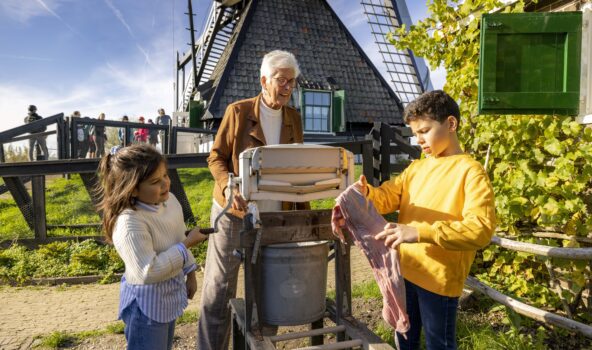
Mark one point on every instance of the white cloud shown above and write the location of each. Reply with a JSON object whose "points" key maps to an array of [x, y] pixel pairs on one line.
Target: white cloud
{"points": [[126, 86], [25, 58], [22, 11], [120, 17]]}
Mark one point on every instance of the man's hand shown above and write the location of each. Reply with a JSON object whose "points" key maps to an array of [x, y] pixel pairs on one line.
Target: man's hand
{"points": [[191, 284], [238, 202], [395, 234]]}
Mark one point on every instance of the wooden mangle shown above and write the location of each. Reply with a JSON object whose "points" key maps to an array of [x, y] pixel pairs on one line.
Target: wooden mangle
{"points": [[295, 173]]}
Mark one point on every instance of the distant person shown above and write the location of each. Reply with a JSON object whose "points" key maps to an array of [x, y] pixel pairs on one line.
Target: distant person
{"points": [[36, 140], [144, 221], [121, 133], [162, 119], [141, 135], [92, 147], [152, 134], [100, 137], [82, 136]]}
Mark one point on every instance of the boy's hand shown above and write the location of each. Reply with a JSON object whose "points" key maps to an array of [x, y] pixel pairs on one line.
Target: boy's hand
{"points": [[395, 234], [191, 284], [362, 185], [337, 222], [194, 237]]}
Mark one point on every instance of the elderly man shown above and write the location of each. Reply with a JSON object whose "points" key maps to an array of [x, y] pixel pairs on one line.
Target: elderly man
{"points": [[262, 120]]}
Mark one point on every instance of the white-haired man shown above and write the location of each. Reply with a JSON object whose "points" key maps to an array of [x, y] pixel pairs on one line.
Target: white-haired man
{"points": [[262, 120]]}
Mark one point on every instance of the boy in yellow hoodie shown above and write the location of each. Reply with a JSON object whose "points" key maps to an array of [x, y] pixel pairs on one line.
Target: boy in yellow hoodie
{"points": [[446, 213]]}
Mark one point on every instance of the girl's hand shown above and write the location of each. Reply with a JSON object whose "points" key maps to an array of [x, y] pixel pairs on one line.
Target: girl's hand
{"points": [[191, 284], [395, 234], [194, 237]]}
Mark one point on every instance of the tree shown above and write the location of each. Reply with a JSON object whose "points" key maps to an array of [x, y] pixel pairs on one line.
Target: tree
{"points": [[540, 166]]}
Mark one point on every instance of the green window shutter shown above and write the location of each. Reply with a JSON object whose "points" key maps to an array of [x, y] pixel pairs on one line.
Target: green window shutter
{"points": [[196, 111], [338, 110], [530, 63]]}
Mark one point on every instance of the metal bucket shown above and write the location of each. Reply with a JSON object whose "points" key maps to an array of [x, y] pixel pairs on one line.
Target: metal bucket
{"points": [[293, 283]]}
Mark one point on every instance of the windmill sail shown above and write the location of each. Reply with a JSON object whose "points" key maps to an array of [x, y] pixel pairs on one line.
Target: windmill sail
{"points": [[409, 74], [212, 42]]}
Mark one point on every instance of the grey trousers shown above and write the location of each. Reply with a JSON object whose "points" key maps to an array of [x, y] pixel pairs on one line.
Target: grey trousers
{"points": [[219, 284], [41, 142]]}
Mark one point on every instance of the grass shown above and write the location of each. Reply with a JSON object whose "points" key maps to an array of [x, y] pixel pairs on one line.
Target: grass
{"points": [[60, 339]]}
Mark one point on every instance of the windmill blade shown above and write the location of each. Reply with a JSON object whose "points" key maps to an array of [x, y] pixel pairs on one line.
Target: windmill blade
{"points": [[404, 69], [216, 33]]}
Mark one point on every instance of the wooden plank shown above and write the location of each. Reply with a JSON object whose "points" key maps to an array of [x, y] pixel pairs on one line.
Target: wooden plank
{"points": [[528, 310], [21, 197], [357, 330], [40, 220], [543, 250], [291, 226]]}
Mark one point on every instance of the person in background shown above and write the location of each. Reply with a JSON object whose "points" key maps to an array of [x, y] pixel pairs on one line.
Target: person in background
{"points": [[121, 133], [36, 140], [162, 119], [152, 134], [82, 133], [100, 137], [141, 135], [92, 147]]}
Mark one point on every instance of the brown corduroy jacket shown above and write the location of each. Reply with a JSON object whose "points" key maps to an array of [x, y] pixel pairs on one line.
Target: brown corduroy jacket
{"points": [[239, 130]]}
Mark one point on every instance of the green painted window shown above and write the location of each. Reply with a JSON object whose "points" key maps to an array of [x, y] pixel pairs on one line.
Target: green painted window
{"points": [[530, 63], [316, 110]]}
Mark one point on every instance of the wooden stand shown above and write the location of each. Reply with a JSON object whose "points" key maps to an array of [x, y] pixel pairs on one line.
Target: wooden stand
{"points": [[292, 227]]}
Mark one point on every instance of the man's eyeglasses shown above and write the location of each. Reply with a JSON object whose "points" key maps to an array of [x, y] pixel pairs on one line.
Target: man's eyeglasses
{"points": [[283, 81]]}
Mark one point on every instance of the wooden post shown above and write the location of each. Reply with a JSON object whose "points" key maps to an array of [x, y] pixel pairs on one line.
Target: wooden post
{"points": [[40, 222], [367, 160], [342, 284], [22, 198], [317, 339], [385, 153], [375, 179], [2, 157]]}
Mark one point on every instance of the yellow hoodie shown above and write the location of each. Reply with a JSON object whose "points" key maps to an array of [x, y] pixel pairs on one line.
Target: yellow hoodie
{"points": [[450, 201]]}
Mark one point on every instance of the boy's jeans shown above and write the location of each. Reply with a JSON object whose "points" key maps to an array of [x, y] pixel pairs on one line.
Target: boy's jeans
{"points": [[436, 313], [143, 333]]}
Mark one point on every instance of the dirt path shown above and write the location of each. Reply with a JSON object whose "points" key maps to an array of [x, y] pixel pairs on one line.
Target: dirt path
{"points": [[30, 311]]}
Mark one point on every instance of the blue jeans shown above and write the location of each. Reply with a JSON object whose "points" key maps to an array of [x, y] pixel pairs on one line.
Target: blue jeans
{"points": [[436, 313], [143, 333]]}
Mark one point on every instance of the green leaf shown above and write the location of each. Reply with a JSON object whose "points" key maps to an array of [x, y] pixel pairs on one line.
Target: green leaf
{"points": [[553, 146]]}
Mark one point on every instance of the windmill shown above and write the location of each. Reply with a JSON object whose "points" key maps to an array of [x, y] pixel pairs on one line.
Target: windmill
{"points": [[409, 74], [340, 94]]}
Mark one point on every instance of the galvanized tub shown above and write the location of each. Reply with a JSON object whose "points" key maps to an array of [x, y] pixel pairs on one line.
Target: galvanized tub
{"points": [[293, 283]]}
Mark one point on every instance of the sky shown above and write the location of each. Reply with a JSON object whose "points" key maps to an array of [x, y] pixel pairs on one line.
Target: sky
{"points": [[114, 56]]}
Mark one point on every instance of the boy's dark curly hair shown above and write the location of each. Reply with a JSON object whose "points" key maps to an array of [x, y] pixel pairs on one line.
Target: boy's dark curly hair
{"points": [[436, 105]]}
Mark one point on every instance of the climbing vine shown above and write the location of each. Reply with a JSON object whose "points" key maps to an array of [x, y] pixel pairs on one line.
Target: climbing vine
{"points": [[540, 166]]}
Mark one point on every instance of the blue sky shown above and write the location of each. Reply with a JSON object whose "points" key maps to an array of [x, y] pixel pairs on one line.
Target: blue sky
{"points": [[112, 56]]}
